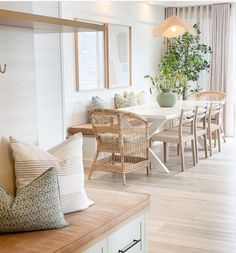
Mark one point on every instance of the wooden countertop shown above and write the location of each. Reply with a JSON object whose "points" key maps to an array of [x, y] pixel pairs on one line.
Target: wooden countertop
{"points": [[111, 209]]}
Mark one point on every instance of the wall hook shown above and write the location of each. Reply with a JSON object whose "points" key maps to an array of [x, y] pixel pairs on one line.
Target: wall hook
{"points": [[4, 68]]}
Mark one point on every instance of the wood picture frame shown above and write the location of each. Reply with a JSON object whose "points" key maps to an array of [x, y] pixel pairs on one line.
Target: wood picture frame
{"points": [[119, 55], [80, 69], [117, 58]]}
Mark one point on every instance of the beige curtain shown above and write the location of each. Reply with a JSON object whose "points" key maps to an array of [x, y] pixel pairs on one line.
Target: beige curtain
{"points": [[220, 75], [220, 47], [230, 115], [171, 11]]}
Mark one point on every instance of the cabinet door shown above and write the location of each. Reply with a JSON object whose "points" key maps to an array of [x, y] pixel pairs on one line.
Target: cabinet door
{"points": [[129, 239], [100, 247]]}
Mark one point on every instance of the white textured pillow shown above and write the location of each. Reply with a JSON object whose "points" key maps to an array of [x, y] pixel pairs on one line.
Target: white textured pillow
{"points": [[31, 162], [126, 100], [140, 98]]}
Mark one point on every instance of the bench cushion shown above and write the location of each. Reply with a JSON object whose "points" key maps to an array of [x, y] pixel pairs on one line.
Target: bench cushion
{"points": [[85, 129]]}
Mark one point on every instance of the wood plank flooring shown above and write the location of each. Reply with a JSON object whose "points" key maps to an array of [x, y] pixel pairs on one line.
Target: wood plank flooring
{"points": [[191, 212]]}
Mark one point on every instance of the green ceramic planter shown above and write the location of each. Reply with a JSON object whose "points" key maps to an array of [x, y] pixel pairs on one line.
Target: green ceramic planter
{"points": [[166, 99]]}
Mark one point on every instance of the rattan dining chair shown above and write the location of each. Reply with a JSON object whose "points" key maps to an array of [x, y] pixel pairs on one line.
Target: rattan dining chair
{"points": [[179, 135], [122, 142], [211, 96], [208, 96]]}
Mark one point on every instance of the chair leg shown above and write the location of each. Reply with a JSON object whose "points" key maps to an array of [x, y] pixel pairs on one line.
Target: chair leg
{"points": [[123, 167], [150, 146], [178, 149], [124, 179], [210, 143], [182, 156], [147, 170], [196, 147], [214, 141], [165, 150], [205, 144], [148, 167], [222, 134], [90, 173], [193, 152], [219, 144], [113, 158], [94, 161]]}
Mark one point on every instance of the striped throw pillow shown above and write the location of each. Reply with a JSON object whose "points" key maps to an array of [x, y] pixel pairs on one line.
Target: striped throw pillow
{"points": [[31, 162]]}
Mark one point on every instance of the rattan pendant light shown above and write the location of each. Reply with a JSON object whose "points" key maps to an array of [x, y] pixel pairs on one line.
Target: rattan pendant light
{"points": [[173, 27]]}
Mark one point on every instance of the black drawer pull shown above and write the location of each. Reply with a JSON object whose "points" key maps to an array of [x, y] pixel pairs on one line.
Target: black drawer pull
{"points": [[130, 246]]}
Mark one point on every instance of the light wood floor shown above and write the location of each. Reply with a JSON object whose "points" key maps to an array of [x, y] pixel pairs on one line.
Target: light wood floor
{"points": [[191, 212]]}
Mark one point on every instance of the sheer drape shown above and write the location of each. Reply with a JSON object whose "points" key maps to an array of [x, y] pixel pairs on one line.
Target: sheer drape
{"points": [[220, 63], [220, 47], [231, 87]]}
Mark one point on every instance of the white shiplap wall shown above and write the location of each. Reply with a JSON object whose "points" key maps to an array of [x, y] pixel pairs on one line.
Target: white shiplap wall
{"points": [[31, 90], [18, 99], [48, 80]]}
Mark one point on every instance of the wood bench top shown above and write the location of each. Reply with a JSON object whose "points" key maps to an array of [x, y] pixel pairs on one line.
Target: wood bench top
{"points": [[85, 129], [111, 208]]}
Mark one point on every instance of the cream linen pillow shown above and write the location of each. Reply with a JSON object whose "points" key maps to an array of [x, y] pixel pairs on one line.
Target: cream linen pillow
{"points": [[31, 162]]}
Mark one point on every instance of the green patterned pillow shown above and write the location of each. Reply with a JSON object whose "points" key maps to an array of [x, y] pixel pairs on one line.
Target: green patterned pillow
{"points": [[36, 206]]}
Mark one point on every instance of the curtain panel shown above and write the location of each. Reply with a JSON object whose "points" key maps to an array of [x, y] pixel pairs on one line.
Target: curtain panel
{"points": [[231, 84]]}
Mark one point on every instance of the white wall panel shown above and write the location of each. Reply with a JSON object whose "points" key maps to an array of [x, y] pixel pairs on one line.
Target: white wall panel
{"points": [[30, 91], [146, 50], [18, 108], [48, 81]]}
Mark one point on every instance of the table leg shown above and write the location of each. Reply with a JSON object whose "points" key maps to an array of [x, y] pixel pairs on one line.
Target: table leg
{"points": [[154, 159], [156, 162], [200, 140]]}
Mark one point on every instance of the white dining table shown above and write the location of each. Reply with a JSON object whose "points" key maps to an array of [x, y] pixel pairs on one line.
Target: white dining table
{"points": [[158, 116]]}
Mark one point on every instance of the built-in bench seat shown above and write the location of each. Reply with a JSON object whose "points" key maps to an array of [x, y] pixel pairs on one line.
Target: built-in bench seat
{"points": [[112, 211]]}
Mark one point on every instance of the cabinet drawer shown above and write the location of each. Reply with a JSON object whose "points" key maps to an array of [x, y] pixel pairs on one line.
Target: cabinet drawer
{"points": [[100, 247], [129, 239]]}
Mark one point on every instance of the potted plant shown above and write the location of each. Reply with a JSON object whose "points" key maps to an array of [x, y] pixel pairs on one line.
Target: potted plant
{"points": [[164, 85], [184, 59]]}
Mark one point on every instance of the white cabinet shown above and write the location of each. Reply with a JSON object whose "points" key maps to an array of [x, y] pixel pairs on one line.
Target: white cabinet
{"points": [[100, 247], [130, 238]]}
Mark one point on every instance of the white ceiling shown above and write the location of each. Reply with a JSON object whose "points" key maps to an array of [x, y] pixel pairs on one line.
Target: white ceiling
{"points": [[178, 3]]}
